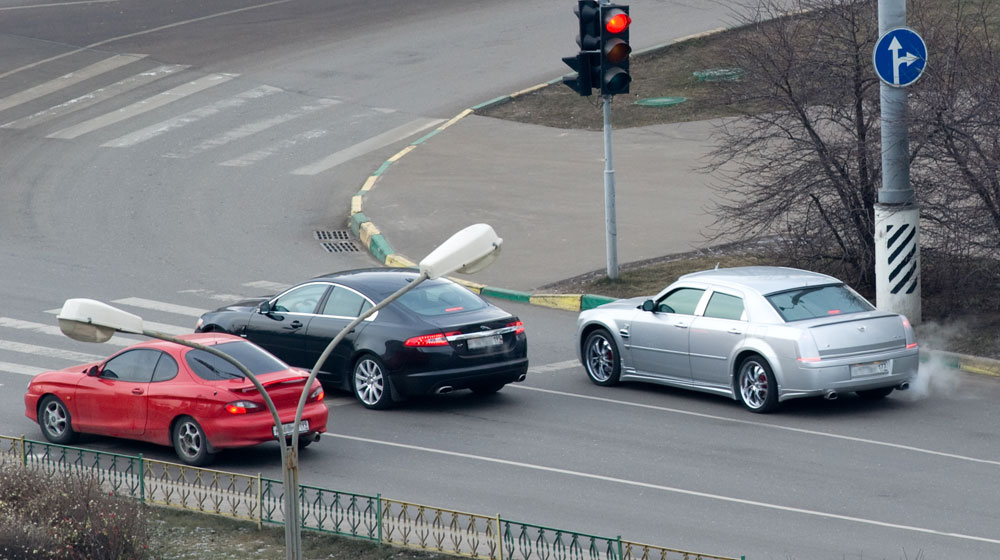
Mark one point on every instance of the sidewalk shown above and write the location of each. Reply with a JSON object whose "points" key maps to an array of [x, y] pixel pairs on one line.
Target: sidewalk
{"points": [[542, 190]]}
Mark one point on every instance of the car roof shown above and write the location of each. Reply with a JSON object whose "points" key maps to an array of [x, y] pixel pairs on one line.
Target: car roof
{"points": [[371, 281], [762, 279], [206, 339]]}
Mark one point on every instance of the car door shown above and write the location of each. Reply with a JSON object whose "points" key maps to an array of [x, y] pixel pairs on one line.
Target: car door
{"points": [[658, 339], [715, 335], [281, 330], [115, 402], [342, 305]]}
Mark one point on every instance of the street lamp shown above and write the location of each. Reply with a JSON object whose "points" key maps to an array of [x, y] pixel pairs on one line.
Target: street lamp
{"points": [[469, 250], [88, 320]]}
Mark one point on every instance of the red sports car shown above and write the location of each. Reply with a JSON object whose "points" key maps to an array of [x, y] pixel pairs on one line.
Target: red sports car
{"points": [[170, 394]]}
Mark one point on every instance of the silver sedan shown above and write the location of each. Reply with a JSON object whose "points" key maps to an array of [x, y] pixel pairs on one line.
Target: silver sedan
{"points": [[760, 335]]}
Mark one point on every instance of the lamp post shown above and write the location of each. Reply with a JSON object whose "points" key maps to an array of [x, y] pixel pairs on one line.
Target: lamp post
{"points": [[467, 251]]}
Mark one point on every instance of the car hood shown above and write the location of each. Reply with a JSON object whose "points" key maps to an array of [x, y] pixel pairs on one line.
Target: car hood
{"points": [[630, 303]]}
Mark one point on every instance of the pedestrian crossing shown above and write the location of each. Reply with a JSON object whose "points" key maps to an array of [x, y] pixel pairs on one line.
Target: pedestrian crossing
{"points": [[29, 346], [174, 111]]}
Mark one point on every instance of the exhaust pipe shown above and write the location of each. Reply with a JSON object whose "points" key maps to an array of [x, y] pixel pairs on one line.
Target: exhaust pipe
{"points": [[444, 390], [903, 386], [830, 395], [523, 377]]}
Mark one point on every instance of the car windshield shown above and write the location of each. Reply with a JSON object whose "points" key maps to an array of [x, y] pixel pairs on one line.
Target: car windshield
{"points": [[211, 367], [817, 301], [440, 298]]}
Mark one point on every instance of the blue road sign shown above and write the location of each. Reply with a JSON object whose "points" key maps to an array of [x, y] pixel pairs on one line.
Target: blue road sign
{"points": [[900, 56]]}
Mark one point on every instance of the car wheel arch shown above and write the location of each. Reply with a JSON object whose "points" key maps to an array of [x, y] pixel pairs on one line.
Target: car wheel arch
{"points": [[173, 425], [744, 353], [585, 332]]}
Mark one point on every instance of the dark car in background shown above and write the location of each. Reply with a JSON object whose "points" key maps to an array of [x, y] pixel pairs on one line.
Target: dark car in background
{"points": [[437, 338]]}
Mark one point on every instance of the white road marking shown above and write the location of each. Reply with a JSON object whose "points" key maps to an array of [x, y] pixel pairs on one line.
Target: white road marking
{"points": [[251, 129], [273, 287], [94, 97], [54, 330], [161, 306], [193, 116], [140, 33], [671, 489], [372, 144], [762, 425], [48, 352], [557, 366], [150, 325], [56, 4], [20, 369], [214, 295], [283, 145], [70, 79], [143, 106]]}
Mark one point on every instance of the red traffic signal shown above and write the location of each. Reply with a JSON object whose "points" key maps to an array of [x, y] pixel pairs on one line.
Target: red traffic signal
{"points": [[616, 21], [615, 50]]}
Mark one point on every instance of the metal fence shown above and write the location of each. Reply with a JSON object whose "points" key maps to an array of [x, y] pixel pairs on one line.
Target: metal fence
{"points": [[373, 518]]}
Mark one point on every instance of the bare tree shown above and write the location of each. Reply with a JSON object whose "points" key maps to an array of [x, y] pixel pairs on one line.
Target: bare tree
{"points": [[956, 116], [802, 165]]}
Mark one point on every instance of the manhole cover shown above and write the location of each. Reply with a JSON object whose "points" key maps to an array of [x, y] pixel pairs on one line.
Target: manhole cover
{"points": [[719, 74], [660, 101], [337, 241]]}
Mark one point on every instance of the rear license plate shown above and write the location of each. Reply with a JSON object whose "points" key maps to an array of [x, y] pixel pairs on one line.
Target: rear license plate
{"points": [[485, 341], [874, 368], [287, 428]]}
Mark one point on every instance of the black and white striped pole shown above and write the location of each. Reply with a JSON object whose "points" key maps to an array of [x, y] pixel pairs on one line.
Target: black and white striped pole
{"points": [[899, 58]]}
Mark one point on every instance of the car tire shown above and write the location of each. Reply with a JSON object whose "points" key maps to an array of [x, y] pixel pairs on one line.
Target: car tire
{"points": [[370, 383], [55, 421], [756, 386], [190, 442], [487, 388], [601, 358], [875, 394]]}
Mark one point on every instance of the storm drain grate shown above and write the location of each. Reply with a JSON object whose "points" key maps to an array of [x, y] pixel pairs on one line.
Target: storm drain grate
{"points": [[337, 241]]}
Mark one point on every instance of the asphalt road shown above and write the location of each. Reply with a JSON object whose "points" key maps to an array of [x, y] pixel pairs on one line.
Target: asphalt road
{"points": [[129, 186]]}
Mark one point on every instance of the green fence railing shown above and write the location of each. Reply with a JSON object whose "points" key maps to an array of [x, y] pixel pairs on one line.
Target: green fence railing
{"points": [[373, 518]]}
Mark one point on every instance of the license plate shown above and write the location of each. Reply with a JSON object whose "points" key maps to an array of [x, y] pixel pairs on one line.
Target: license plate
{"points": [[484, 341], [287, 428], [874, 368]]}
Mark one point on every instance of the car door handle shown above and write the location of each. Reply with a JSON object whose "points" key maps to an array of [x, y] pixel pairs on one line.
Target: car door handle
{"points": [[137, 391], [296, 324], [680, 325], [734, 330]]}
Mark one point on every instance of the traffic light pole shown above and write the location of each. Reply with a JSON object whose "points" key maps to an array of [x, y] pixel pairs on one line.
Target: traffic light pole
{"points": [[610, 222]]}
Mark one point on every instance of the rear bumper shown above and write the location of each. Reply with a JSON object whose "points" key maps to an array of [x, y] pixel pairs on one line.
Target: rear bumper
{"points": [[429, 382], [255, 428], [821, 378]]}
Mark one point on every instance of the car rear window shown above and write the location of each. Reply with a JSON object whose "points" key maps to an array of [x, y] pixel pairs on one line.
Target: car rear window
{"points": [[440, 298], [210, 367], [817, 301]]}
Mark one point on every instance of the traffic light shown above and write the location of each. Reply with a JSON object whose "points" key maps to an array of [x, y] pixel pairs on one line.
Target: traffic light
{"points": [[614, 49], [586, 63]]}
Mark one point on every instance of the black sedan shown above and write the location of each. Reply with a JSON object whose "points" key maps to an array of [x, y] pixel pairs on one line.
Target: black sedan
{"points": [[436, 338]]}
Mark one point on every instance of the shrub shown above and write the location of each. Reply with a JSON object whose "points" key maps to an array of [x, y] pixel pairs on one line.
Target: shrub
{"points": [[56, 516]]}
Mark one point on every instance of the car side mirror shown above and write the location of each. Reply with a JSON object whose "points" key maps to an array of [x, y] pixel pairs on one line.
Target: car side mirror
{"points": [[94, 371], [264, 308], [648, 305]]}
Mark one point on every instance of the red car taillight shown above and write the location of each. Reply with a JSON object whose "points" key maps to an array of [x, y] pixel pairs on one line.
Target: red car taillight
{"points": [[317, 394], [519, 325], [241, 407], [437, 339]]}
